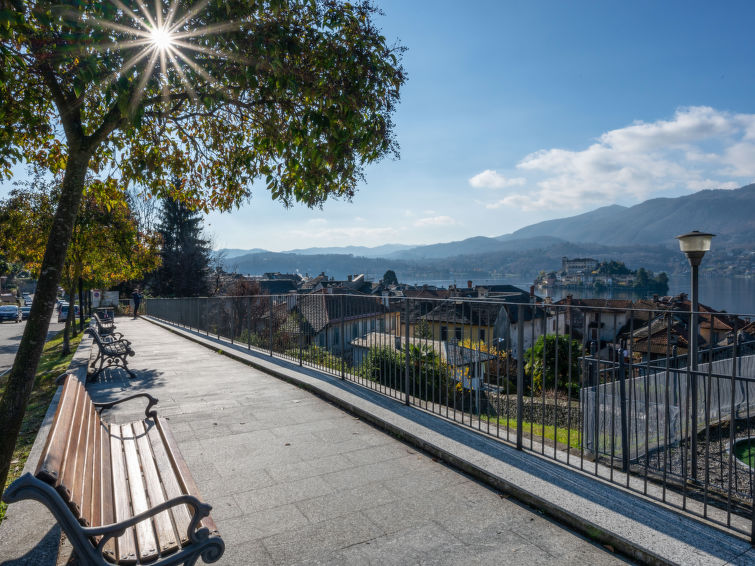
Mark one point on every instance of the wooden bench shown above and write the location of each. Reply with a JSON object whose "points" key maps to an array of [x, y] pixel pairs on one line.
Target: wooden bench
{"points": [[121, 492], [106, 327], [110, 351]]}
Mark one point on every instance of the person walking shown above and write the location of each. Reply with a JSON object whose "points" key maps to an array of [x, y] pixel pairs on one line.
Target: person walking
{"points": [[136, 296]]}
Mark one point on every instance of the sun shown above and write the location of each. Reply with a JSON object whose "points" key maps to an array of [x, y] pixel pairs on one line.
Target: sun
{"points": [[161, 38]]}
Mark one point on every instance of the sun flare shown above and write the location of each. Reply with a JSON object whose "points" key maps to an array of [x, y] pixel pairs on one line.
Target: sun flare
{"points": [[161, 38]]}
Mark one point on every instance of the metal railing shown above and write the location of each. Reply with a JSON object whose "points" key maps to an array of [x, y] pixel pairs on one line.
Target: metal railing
{"points": [[604, 390]]}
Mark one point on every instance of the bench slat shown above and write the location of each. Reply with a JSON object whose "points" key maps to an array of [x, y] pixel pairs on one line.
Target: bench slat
{"points": [[104, 494], [182, 470], [87, 480], [51, 460], [126, 543], [145, 535], [75, 446], [181, 513], [166, 536]]}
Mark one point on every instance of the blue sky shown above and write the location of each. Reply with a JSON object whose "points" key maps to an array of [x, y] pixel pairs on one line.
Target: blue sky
{"points": [[516, 112]]}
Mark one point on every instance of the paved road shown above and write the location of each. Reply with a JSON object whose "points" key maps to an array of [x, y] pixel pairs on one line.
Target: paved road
{"points": [[10, 337]]}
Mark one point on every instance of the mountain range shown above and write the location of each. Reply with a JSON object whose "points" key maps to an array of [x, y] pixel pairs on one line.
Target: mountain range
{"points": [[642, 235]]}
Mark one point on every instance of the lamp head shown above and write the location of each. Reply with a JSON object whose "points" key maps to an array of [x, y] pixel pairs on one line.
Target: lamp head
{"points": [[694, 245]]}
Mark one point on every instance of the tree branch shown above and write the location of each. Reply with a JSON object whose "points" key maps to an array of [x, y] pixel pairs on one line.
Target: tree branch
{"points": [[110, 122], [70, 116]]}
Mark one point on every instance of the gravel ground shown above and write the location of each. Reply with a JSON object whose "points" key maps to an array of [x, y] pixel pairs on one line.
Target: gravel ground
{"points": [[719, 468]]}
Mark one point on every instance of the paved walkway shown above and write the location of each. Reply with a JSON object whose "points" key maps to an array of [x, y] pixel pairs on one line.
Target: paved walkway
{"points": [[295, 480]]}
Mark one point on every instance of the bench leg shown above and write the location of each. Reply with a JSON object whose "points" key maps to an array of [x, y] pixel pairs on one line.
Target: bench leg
{"points": [[29, 487], [209, 550], [101, 358]]}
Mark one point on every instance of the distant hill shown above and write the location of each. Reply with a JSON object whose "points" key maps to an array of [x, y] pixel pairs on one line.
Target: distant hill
{"points": [[641, 236], [233, 252], [476, 245], [357, 251], [385, 250], [726, 213]]}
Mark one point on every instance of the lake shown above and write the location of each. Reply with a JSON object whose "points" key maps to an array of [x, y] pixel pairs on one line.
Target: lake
{"points": [[734, 295]]}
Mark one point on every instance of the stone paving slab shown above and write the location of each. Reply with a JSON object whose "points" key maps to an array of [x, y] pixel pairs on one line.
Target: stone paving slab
{"points": [[293, 479], [646, 530]]}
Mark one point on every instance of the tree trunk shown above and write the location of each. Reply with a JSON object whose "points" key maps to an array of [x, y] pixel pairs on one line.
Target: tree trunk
{"points": [[21, 377], [70, 327]]}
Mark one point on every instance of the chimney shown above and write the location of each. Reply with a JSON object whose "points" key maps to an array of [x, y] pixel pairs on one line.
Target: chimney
{"points": [[532, 291], [350, 277], [469, 284]]}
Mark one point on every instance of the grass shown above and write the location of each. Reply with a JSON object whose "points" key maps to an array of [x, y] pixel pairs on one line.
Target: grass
{"points": [[51, 365], [547, 431]]}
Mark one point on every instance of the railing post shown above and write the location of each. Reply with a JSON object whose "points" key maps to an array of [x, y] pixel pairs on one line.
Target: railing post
{"points": [[595, 382], [623, 412], [519, 375], [406, 352], [249, 326], [343, 338], [271, 325]]}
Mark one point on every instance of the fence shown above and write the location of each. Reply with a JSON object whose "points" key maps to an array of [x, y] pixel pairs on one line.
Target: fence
{"points": [[572, 383]]}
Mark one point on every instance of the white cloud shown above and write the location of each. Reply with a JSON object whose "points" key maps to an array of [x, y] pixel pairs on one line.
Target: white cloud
{"points": [[435, 221], [491, 179], [700, 147]]}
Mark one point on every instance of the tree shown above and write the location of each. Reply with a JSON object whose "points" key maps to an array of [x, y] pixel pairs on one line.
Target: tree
{"points": [[642, 279], [106, 245], [540, 362], [390, 278], [185, 253], [297, 95]]}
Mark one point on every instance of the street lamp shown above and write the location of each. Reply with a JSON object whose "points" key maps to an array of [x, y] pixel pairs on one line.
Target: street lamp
{"points": [[694, 245]]}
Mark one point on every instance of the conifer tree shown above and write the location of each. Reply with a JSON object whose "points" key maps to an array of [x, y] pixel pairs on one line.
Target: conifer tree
{"points": [[185, 253]]}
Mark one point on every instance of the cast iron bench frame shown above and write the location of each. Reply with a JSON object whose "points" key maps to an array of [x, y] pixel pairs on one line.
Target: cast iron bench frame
{"points": [[106, 327], [111, 352], [81, 479]]}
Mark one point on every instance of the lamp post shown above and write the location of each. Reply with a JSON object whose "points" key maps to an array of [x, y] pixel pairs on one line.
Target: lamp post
{"points": [[694, 245]]}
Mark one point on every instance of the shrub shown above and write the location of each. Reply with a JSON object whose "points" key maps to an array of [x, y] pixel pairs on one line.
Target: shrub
{"points": [[429, 376], [544, 352]]}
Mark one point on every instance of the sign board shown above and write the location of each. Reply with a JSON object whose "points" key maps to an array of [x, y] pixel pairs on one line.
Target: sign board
{"points": [[96, 298], [104, 298], [110, 299]]}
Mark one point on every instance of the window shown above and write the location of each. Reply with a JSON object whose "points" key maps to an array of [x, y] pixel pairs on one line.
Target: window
{"points": [[482, 335], [457, 333], [443, 333]]}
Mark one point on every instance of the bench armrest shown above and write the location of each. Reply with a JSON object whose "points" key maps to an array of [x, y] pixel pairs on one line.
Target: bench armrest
{"points": [[194, 533], [147, 412]]}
